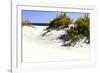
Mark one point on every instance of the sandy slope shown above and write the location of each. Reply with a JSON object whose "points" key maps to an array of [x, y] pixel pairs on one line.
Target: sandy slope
{"points": [[37, 48]]}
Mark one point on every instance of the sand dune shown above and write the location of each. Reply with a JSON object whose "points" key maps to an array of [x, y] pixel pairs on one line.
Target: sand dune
{"points": [[37, 48]]}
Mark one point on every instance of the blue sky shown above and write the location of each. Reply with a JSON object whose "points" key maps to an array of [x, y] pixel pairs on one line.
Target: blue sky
{"points": [[45, 16]]}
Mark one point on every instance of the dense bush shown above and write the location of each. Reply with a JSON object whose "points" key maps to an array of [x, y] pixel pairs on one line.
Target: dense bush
{"points": [[61, 20], [73, 32], [82, 29]]}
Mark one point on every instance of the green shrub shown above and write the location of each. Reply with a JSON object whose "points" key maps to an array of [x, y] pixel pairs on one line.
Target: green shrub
{"points": [[55, 23], [73, 32], [61, 20], [82, 29]]}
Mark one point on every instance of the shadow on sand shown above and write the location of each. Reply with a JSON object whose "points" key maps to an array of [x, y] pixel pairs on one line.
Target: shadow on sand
{"points": [[65, 38]]}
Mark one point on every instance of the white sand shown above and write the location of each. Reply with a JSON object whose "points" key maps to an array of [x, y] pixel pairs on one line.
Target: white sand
{"points": [[37, 48]]}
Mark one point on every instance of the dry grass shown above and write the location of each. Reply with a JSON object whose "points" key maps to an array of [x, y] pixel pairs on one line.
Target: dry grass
{"points": [[27, 23]]}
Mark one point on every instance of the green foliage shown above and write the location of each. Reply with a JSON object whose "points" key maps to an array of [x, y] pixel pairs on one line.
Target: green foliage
{"points": [[55, 23], [74, 35], [82, 29], [61, 20], [66, 21]]}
